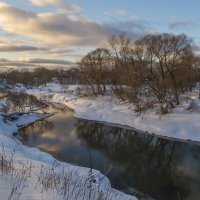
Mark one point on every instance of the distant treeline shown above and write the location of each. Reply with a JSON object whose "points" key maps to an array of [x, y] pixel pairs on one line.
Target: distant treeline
{"points": [[39, 76], [152, 71]]}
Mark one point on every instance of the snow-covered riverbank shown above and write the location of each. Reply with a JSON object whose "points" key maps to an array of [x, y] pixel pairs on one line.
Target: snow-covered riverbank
{"points": [[182, 122], [29, 174]]}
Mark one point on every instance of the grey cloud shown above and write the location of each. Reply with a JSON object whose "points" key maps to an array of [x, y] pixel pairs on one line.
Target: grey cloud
{"points": [[179, 24], [46, 61], [8, 47], [34, 62], [16, 64], [3, 60], [14, 48]]}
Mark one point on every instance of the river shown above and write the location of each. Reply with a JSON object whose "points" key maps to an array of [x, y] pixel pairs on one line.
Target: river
{"points": [[160, 168]]}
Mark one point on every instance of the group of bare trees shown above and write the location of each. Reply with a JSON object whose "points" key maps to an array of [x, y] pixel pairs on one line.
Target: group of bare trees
{"points": [[38, 76], [154, 70]]}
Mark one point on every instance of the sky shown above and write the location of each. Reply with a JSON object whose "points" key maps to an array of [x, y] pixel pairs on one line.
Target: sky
{"points": [[57, 33]]}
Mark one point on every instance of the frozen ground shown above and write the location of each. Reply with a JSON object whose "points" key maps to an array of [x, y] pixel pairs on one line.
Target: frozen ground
{"points": [[182, 123], [29, 174]]}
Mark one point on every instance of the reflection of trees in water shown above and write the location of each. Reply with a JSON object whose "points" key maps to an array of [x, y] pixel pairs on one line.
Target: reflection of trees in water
{"points": [[36, 129], [148, 163]]}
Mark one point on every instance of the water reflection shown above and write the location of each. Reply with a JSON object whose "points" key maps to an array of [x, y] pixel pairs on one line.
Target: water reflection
{"points": [[160, 168]]}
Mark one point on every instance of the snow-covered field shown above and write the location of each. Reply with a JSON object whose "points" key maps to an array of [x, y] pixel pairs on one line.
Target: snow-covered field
{"points": [[29, 174], [182, 123]]}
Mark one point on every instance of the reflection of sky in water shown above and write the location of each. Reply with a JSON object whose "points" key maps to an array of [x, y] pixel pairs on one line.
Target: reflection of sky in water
{"points": [[55, 140], [61, 140], [151, 165]]}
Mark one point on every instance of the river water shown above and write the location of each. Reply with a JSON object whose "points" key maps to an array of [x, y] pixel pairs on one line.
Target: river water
{"points": [[162, 169]]}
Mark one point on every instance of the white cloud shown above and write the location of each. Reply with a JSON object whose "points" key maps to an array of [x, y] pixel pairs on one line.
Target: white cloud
{"points": [[64, 27]]}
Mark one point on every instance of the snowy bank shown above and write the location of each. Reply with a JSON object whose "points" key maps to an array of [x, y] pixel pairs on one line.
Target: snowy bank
{"points": [[29, 174], [181, 123]]}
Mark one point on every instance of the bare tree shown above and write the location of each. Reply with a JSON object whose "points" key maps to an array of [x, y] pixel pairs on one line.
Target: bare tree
{"points": [[124, 77], [92, 70]]}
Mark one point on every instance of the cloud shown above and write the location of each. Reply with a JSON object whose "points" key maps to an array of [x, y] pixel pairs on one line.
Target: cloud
{"points": [[34, 63], [63, 27], [8, 46], [45, 61], [122, 12], [108, 13], [11, 13], [45, 2], [17, 48], [132, 27], [3, 60], [62, 34], [175, 24]]}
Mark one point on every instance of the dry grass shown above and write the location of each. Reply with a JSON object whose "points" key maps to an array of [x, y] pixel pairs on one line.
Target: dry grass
{"points": [[61, 181]]}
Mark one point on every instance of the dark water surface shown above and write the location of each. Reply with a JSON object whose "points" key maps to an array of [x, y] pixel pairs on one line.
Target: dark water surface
{"points": [[162, 169]]}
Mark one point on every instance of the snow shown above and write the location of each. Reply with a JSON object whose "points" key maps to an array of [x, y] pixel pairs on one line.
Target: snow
{"points": [[182, 123], [30, 168], [18, 87]]}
